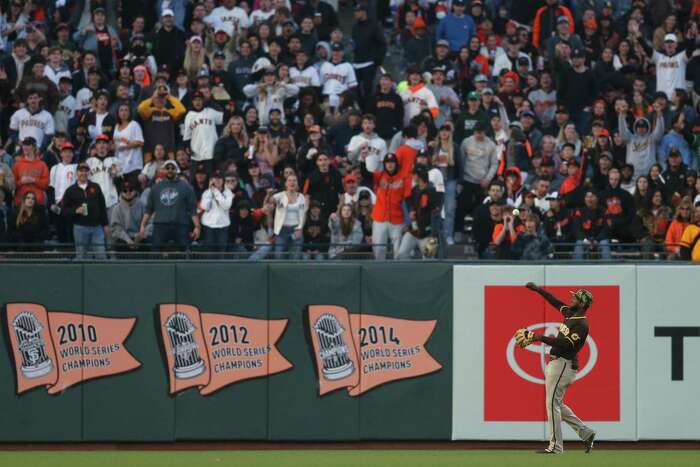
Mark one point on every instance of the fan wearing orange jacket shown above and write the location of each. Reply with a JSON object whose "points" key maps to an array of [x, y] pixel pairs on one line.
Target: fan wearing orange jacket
{"points": [[392, 187], [31, 173], [546, 22]]}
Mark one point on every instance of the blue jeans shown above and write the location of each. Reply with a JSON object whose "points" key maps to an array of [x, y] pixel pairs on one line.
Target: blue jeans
{"points": [[215, 239], [260, 253], [89, 239], [286, 239], [163, 234], [450, 207], [603, 247]]}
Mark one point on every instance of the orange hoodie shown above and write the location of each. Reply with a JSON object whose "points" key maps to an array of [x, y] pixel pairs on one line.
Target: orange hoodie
{"points": [[674, 234], [391, 190], [36, 169]]}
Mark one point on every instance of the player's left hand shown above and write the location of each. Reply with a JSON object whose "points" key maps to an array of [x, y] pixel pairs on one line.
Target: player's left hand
{"points": [[523, 337]]}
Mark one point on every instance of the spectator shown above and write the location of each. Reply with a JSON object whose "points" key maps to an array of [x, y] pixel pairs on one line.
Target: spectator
{"points": [[367, 143], [215, 204], [479, 163], [416, 96], [172, 202], [125, 221], [370, 49], [641, 143], [675, 140], [32, 121], [346, 232], [532, 244], [169, 42], [85, 205], [30, 173], [690, 250], [425, 206], [290, 215], [456, 28], [316, 233], [200, 130], [104, 169], [101, 38], [387, 107], [270, 94], [30, 224], [159, 114], [547, 20], [128, 143], [677, 227]]}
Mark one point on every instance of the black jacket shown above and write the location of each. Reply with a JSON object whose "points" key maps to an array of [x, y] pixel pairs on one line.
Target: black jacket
{"points": [[74, 197], [329, 19], [169, 48], [388, 110], [426, 204], [324, 188], [370, 43], [589, 224]]}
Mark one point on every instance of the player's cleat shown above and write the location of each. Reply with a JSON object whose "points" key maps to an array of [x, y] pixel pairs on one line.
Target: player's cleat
{"points": [[588, 443], [545, 451]]}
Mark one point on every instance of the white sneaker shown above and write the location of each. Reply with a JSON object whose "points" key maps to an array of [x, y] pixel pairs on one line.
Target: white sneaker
{"points": [[450, 241]]}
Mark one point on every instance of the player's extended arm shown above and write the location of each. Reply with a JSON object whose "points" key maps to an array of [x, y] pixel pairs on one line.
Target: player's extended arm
{"points": [[554, 301]]}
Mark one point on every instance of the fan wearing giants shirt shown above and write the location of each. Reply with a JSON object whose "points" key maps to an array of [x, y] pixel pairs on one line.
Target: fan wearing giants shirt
{"points": [[670, 63], [232, 18], [367, 143], [337, 75], [32, 121], [304, 74], [200, 130], [416, 97]]}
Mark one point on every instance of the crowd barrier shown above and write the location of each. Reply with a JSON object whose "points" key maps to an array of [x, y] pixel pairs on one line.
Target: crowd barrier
{"points": [[371, 351]]}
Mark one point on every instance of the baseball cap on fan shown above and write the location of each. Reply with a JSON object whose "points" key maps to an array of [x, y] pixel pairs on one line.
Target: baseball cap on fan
{"points": [[167, 12], [670, 37]]}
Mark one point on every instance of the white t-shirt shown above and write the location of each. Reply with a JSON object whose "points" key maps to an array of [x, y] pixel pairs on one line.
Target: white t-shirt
{"points": [[231, 20], [61, 177], [670, 72], [38, 125], [200, 130], [83, 97], [129, 159], [259, 16]]}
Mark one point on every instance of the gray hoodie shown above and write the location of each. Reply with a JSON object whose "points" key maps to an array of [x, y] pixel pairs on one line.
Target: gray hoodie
{"points": [[479, 159], [641, 150], [125, 221]]}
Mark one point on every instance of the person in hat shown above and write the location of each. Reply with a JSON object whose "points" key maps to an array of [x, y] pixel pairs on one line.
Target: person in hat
{"points": [[84, 205], [337, 76], [125, 219], [200, 130], [169, 42], [457, 27], [391, 186], [416, 96], [215, 204], [387, 107], [370, 49], [642, 141], [98, 120], [563, 36], [173, 203], [30, 172], [159, 115], [577, 84], [196, 59], [99, 37], [448, 101], [509, 60], [104, 169], [546, 22], [675, 140], [470, 116], [418, 45], [270, 93], [66, 106]]}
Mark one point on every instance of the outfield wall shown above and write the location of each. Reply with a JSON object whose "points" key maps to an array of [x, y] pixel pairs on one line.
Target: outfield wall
{"points": [[357, 351]]}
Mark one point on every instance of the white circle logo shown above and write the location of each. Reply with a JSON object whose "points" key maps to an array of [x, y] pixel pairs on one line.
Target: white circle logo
{"points": [[550, 329]]}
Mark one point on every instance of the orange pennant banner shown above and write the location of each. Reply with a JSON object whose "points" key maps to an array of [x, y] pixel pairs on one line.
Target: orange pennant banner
{"points": [[211, 350], [58, 350], [361, 352]]}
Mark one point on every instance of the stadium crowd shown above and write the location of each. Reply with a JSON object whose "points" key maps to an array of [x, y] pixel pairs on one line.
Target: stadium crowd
{"points": [[264, 128]]}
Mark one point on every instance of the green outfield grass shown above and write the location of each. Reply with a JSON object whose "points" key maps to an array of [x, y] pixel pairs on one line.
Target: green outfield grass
{"points": [[356, 458]]}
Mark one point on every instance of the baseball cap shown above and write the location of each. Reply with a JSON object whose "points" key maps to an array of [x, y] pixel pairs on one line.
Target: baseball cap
{"points": [[29, 141], [516, 124], [220, 29], [336, 46], [262, 129], [578, 53], [487, 91], [360, 7], [350, 178], [528, 113], [171, 163], [523, 61], [195, 39], [219, 54], [217, 174], [458, 3], [62, 26], [561, 109], [606, 155], [83, 166], [552, 195], [102, 137], [583, 296], [674, 152], [438, 69], [99, 9], [603, 133], [197, 95], [562, 20], [569, 145], [473, 96], [66, 146], [127, 186], [442, 43], [670, 38], [391, 157], [167, 12], [480, 79], [479, 126]]}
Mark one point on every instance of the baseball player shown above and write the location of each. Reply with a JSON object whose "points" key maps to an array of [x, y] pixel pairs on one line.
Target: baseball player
{"points": [[562, 366]]}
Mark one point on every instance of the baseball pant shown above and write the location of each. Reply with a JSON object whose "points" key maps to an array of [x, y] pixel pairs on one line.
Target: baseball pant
{"points": [[558, 376], [381, 233]]}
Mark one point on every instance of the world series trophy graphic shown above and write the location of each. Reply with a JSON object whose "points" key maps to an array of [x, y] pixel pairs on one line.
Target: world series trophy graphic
{"points": [[28, 330], [188, 363], [333, 349]]}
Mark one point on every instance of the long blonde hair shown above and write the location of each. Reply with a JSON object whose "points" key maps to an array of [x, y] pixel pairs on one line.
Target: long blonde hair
{"points": [[242, 137], [450, 150], [193, 63]]}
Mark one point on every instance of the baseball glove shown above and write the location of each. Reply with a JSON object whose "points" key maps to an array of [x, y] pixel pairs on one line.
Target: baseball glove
{"points": [[523, 337]]}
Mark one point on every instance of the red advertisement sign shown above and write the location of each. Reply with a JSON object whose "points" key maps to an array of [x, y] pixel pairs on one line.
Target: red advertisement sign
{"points": [[211, 350], [514, 378], [360, 352], [60, 349]]}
